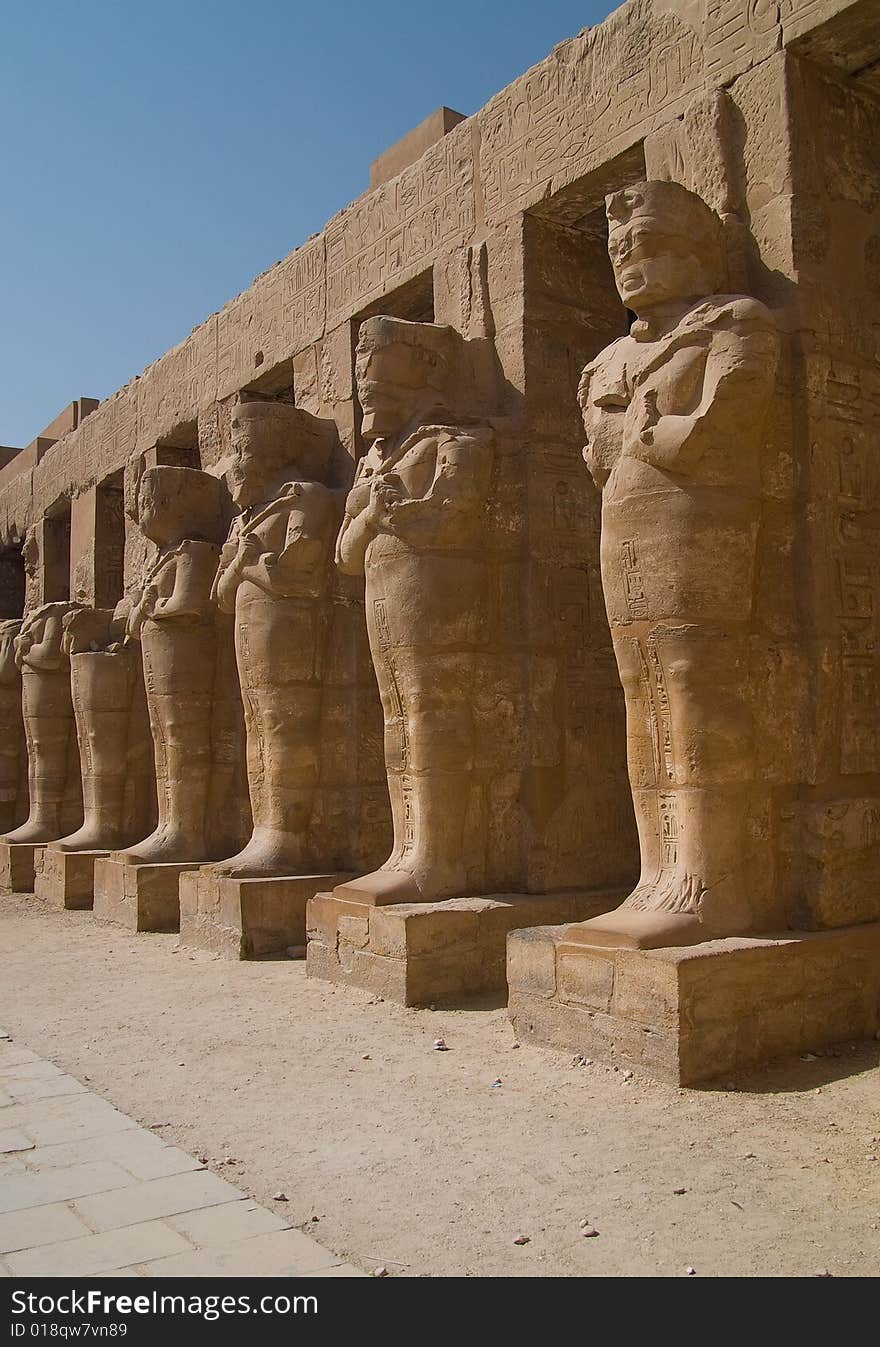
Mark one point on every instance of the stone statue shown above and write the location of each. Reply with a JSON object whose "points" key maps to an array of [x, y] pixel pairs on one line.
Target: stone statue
{"points": [[674, 415], [11, 725], [274, 576], [102, 682], [48, 721], [414, 523], [181, 511]]}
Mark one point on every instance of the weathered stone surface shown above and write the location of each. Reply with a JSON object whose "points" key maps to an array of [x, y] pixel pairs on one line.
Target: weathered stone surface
{"points": [[690, 1014], [428, 953], [254, 918]]}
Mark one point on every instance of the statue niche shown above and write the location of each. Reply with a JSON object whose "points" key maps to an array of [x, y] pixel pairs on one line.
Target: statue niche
{"points": [[181, 511], [674, 414], [414, 525], [275, 575]]}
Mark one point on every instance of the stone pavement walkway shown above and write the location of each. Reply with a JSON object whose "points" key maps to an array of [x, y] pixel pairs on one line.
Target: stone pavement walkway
{"points": [[85, 1191]]}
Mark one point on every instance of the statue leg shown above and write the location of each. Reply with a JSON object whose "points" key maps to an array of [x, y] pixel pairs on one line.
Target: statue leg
{"points": [[283, 736], [48, 718], [178, 671], [101, 690], [11, 744], [702, 819]]}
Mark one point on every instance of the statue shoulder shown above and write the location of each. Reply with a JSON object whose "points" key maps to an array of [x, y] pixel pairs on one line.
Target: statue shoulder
{"points": [[742, 312], [477, 438]]}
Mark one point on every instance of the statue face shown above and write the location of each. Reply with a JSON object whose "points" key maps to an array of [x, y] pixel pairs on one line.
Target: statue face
{"points": [[246, 476], [391, 383], [653, 267], [157, 515]]}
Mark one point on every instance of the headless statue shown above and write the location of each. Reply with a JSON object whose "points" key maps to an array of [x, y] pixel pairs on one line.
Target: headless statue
{"points": [[414, 526], [674, 415], [48, 720], [274, 576], [180, 510]]}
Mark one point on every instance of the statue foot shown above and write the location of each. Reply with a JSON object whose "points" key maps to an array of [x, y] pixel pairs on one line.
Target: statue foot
{"points": [[382, 887], [627, 928], [90, 837], [164, 848], [268, 854], [35, 834]]}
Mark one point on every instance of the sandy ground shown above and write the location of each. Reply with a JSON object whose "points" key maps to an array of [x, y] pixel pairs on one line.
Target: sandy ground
{"points": [[409, 1158]]}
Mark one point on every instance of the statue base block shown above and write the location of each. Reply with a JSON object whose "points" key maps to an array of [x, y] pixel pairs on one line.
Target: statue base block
{"points": [[431, 953], [247, 918], [140, 897], [66, 879], [689, 1014], [17, 860]]}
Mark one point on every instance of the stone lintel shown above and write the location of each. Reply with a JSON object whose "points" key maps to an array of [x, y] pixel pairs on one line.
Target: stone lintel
{"points": [[686, 1015], [431, 953]]}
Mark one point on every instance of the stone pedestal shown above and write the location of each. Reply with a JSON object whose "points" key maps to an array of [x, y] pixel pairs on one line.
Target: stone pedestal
{"points": [[140, 897], [66, 878], [247, 918], [17, 861], [431, 953], [688, 1014]]}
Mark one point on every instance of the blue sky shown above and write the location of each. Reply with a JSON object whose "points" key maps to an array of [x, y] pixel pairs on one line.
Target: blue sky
{"points": [[158, 156]]}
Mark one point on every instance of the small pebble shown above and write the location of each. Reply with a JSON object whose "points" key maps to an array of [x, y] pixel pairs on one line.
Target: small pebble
{"points": [[691, 1271], [590, 1232], [279, 1197], [870, 1157], [496, 1084], [522, 1239], [679, 1191], [440, 1045], [809, 1057], [380, 1272], [627, 1075], [749, 1155], [365, 1056]]}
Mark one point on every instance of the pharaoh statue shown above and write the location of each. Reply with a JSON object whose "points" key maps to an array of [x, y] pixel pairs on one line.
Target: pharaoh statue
{"points": [[11, 727], [274, 576], [414, 524], [48, 721], [674, 415], [103, 684], [181, 511]]}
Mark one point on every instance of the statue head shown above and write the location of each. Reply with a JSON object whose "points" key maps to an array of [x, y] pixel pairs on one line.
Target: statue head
{"points": [[178, 503], [401, 368], [665, 245], [272, 441]]}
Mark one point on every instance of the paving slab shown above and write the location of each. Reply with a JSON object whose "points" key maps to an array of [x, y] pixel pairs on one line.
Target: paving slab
{"points": [[86, 1191]]}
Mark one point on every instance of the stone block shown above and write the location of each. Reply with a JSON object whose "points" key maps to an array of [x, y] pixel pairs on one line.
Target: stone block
{"points": [[17, 861], [213, 1226], [280, 1253], [39, 1225], [246, 918], [155, 1198], [139, 897], [431, 953], [700, 1011], [66, 879], [96, 1253], [60, 1185]]}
